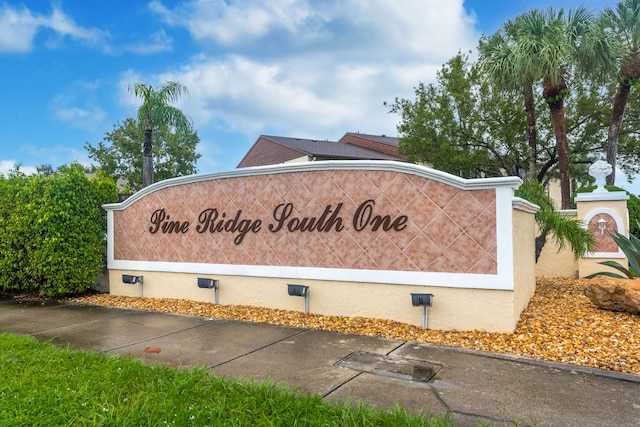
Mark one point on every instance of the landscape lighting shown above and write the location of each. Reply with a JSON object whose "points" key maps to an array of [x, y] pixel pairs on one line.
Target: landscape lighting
{"points": [[300, 291], [206, 283], [424, 300], [132, 280]]}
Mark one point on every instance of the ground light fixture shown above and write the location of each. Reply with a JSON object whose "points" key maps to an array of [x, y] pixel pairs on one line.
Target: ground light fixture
{"points": [[300, 291], [207, 283], [424, 300], [132, 280]]}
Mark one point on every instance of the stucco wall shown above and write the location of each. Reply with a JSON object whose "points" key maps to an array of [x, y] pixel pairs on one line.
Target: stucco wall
{"points": [[389, 229], [591, 207], [524, 228], [612, 207], [462, 309], [554, 262]]}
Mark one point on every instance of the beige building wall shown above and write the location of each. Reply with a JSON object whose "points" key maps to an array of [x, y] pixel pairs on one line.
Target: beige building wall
{"points": [[302, 159], [554, 262], [553, 190]]}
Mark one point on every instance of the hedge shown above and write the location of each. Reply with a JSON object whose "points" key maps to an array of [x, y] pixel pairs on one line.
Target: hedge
{"points": [[52, 231]]}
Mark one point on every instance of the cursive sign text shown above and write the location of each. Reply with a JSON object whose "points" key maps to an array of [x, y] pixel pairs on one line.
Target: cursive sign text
{"points": [[211, 220]]}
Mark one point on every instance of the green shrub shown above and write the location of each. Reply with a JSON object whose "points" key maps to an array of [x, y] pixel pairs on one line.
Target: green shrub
{"points": [[631, 248], [12, 248], [52, 231]]}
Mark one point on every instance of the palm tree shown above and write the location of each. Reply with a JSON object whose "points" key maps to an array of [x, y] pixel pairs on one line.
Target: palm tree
{"points": [[497, 58], [155, 110], [564, 231], [624, 23], [553, 46]]}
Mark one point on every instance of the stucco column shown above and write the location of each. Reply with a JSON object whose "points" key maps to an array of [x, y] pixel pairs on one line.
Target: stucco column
{"points": [[603, 213]]}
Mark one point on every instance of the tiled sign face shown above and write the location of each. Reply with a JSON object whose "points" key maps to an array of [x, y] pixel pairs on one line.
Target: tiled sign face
{"points": [[604, 242], [377, 220]]}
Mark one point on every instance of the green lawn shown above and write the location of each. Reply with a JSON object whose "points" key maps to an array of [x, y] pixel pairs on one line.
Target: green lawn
{"points": [[42, 385]]}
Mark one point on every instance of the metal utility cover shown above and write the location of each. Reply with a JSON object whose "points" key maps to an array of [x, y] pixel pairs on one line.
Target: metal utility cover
{"points": [[390, 366]]}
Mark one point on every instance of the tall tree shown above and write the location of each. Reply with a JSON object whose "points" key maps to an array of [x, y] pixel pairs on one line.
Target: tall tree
{"points": [[118, 155], [460, 126], [45, 169], [624, 23], [156, 110], [498, 55], [554, 46]]}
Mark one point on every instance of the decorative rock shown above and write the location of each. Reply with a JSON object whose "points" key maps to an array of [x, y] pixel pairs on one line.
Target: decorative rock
{"points": [[614, 294], [560, 324]]}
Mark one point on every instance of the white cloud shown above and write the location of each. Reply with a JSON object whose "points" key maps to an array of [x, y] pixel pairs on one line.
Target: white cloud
{"points": [[65, 26], [622, 181], [250, 95], [211, 154], [295, 96], [19, 26], [78, 107], [55, 155], [234, 22], [311, 71], [7, 166], [349, 29], [158, 42], [17, 29], [83, 118], [125, 96]]}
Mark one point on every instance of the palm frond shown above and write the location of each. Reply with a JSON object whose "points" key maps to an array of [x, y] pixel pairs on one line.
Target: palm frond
{"points": [[566, 232]]}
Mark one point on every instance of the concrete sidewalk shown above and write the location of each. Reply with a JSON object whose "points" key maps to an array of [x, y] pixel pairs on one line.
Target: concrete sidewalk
{"points": [[473, 386]]}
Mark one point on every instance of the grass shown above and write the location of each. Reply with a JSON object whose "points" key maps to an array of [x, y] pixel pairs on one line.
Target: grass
{"points": [[43, 385]]}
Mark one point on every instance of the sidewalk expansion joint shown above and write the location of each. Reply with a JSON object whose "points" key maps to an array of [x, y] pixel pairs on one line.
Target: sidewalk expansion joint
{"points": [[492, 420], [342, 384], [154, 338], [256, 350], [88, 322], [398, 347]]}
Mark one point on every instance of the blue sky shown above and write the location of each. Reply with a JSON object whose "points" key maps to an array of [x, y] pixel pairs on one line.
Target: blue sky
{"points": [[303, 68]]}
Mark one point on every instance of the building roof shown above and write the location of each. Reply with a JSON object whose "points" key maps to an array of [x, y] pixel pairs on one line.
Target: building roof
{"points": [[381, 139], [381, 143], [326, 148], [270, 149]]}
